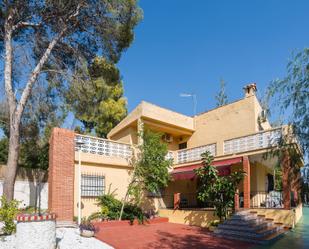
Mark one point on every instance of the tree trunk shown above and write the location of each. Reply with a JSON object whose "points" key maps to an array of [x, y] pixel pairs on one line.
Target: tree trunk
{"points": [[9, 180], [123, 203], [11, 169]]}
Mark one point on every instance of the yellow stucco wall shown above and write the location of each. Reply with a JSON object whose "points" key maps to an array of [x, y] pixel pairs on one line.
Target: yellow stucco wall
{"points": [[127, 135], [150, 111], [233, 120], [116, 182], [288, 217], [186, 187], [226, 122], [258, 174], [201, 218]]}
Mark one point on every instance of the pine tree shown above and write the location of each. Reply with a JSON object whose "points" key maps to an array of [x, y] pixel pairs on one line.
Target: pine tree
{"points": [[97, 100], [221, 96]]}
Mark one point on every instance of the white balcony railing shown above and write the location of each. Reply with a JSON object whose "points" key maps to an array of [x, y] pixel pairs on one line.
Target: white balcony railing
{"points": [[169, 155], [261, 140], [194, 154], [102, 146]]}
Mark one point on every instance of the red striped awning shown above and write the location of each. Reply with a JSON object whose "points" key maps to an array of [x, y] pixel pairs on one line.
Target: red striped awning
{"points": [[187, 172]]}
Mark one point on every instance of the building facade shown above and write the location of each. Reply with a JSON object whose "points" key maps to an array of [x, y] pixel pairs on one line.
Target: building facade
{"points": [[238, 135]]}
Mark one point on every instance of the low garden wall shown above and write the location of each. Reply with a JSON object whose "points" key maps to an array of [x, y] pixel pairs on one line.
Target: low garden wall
{"points": [[36, 231], [288, 217], [27, 188], [192, 217]]}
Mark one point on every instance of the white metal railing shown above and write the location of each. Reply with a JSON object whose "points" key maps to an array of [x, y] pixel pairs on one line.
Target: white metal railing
{"points": [[265, 139], [194, 154], [169, 155], [102, 146]]}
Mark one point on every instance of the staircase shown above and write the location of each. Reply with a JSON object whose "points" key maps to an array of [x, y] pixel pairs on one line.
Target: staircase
{"points": [[250, 227], [66, 224]]}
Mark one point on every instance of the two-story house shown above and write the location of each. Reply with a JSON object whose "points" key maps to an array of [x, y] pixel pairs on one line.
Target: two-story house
{"points": [[237, 134]]}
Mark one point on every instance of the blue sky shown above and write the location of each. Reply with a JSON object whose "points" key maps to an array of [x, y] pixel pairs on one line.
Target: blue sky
{"points": [[188, 46]]}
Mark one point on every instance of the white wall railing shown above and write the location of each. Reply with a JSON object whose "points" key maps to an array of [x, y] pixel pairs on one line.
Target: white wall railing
{"points": [[102, 146], [169, 155], [261, 140], [194, 154]]}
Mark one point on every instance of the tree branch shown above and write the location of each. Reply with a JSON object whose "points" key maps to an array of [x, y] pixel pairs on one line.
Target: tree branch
{"points": [[25, 24], [37, 70], [8, 65], [35, 73]]}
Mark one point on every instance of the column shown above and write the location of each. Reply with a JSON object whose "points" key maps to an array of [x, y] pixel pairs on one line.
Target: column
{"points": [[236, 201], [61, 174], [246, 181], [176, 201], [286, 186]]}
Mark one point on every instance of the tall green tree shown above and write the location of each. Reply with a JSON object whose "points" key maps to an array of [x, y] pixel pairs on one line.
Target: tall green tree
{"points": [[150, 167], [214, 190], [42, 114], [96, 97], [221, 96], [48, 38], [291, 97]]}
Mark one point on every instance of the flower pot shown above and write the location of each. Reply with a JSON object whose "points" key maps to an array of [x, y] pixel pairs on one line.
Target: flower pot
{"points": [[87, 233]]}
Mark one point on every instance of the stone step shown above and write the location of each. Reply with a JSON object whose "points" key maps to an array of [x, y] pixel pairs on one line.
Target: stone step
{"points": [[67, 224], [250, 234], [251, 227], [265, 240], [251, 222], [238, 227], [273, 237], [246, 217]]}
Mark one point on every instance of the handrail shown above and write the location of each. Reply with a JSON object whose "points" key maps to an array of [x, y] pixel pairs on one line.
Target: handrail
{"points": [[194, 154], [100, 138], [259, 140], [103, 147]]}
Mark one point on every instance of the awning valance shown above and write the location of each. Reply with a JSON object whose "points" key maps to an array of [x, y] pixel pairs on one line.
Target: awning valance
{"points": [[187, 172]]}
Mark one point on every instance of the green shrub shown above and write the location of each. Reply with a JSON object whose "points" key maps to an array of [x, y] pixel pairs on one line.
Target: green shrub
{"points": [[32, 210], [130, 212], [215, 223], [110, 209], [8, 212], [112, 204]]}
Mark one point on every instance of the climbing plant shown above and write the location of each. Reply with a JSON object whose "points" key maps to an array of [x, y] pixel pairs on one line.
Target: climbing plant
{"points": [[150, 167]]}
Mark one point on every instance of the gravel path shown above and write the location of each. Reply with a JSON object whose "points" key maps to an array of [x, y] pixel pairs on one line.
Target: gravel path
{"points": [[67, 238], [7, 242]]}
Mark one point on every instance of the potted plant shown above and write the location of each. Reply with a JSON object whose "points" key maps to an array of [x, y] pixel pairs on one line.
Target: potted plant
{"points": [[87, 229]]}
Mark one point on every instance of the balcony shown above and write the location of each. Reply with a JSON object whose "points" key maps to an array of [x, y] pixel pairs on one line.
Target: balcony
{"points": [[261, 140], [103, 147], [194, 154], [109, 148]]}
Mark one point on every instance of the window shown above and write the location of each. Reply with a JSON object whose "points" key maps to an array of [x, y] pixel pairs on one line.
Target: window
{"points": [[182, 146], [92, 185]]}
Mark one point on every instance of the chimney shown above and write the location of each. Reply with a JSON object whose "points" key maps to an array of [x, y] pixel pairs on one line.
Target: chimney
{"points": [[250, 89]]}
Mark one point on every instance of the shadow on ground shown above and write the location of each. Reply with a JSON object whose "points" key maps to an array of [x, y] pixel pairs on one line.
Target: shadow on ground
{"points": [[199, 239]]}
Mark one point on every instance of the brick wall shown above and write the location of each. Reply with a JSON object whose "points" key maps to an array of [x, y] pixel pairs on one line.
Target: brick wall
{"points": [[286, 184], [61, 174], [246, 182]]}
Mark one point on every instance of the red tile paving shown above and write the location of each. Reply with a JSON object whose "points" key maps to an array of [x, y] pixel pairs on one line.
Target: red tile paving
{"points": [[165, 236]]}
